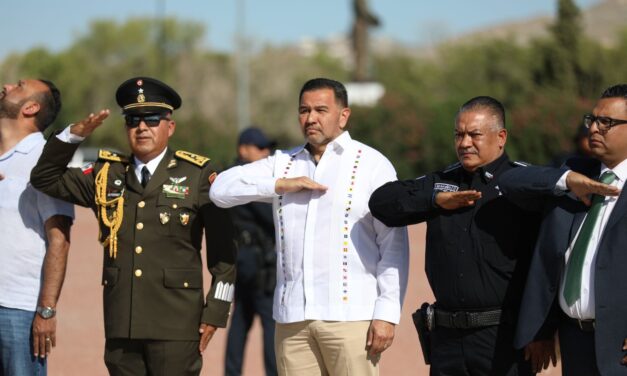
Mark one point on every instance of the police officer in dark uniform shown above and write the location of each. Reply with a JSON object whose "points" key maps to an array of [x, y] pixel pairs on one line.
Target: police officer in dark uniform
{"points": [[256, 264], [152, 209], [478, 247]]}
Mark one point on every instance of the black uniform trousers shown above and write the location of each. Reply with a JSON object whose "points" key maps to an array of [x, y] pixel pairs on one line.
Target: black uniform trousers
{"points": [[250, 300], [479, 351], [577, 349]]}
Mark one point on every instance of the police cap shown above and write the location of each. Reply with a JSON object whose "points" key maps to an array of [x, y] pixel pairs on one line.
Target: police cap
{"points": [[145, 95]]}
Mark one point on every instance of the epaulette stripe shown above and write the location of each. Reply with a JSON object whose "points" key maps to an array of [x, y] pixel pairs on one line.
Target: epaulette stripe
{"points": [[110, 156], [452, 167], [196, 159], [522, 164]]}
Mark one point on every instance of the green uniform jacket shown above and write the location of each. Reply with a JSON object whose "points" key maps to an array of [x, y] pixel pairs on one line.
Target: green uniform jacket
{"points": [[153, 288]]}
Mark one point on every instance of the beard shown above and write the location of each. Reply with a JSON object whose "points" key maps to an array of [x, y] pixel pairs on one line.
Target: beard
{"points": [[9, 110]]}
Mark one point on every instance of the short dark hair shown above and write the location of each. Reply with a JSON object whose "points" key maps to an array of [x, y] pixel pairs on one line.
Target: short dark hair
{"points": [[339, 91], [487, 103], [50, 103], [616, 91]]}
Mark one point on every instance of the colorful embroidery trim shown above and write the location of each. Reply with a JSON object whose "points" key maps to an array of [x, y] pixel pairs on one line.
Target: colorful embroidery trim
{"points": [[282, 230], [345, 228]]}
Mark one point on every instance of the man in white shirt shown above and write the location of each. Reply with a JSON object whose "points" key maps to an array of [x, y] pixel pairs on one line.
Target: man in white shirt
{"points": [[341, 273], [34, 231], [576, 282]]}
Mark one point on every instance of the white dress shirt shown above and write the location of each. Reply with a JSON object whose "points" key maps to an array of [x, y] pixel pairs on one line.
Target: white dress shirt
{"points": [[23, 214], [335, 261], [583, 308]]}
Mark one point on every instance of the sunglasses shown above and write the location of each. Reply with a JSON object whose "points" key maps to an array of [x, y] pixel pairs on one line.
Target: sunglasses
{"points": [[604, 123], [132, 121]]}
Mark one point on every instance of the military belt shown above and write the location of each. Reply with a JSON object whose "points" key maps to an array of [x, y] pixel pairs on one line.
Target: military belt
{"points": [[467, 320]]}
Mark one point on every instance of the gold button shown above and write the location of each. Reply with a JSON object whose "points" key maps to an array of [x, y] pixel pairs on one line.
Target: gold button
{"points": [[138, 249], [185, 284], [138, 273], [139, 226], [174, 206], [141, 204]]}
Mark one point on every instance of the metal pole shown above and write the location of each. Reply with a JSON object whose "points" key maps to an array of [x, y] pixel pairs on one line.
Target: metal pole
{"points": [[243, 88], [161, 37]]}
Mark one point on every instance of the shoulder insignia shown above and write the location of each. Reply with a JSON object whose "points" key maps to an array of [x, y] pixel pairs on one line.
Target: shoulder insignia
{"points": [[452, 167], [520, 163], [111, 156], [196, 159]]}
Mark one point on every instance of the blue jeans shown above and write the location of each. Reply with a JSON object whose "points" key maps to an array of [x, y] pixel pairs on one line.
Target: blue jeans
{"points": [[16, 344]]}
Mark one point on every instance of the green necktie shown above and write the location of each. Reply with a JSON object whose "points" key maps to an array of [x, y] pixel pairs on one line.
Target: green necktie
{"points": [[572, 284]]}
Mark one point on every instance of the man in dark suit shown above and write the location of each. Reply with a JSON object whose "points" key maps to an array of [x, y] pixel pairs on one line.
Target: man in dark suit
{"points": [[577, 283], [152, 209]]}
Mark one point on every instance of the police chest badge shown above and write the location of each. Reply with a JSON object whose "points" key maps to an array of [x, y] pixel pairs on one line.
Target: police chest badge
{"points": [[176, 190], [443, 187], [164, 218]]}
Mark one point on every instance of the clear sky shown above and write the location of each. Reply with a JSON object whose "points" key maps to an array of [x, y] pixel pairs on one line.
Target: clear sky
{"points": [[54, 24]]}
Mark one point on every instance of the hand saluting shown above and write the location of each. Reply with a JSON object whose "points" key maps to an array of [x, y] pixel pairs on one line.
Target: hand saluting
{"points": [[86, 126], [456, 200]]}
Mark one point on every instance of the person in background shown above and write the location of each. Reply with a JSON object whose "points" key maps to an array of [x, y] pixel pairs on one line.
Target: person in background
{"points": [[256, 264]]}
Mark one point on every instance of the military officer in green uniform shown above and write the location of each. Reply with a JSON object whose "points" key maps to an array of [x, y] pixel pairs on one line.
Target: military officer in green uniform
{"points": [[152, 208]]}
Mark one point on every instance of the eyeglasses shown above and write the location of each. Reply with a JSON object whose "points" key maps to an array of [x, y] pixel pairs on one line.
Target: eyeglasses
{"points": [[604, 123], [132, 121]]}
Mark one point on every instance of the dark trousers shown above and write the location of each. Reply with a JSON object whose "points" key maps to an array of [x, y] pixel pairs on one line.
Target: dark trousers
{"points": [[250, 300], [136, 357], [474, 352], [577, 348]]}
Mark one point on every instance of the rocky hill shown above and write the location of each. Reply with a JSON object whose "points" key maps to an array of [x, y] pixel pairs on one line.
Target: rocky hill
{"points": [[602, 22]]}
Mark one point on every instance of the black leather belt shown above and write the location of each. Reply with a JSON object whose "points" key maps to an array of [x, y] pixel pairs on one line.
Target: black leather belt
{"points": [[467, 320], [583, 325]]}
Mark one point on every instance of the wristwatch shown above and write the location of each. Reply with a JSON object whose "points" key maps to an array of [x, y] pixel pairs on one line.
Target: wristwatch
{"points": [[46, 312]]}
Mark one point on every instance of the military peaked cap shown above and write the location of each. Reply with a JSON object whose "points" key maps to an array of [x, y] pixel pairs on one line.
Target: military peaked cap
{"points": [[145, 95]]}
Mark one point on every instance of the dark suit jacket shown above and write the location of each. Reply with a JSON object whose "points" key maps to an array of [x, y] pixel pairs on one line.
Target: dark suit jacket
{"points": [[153, 288], [533, 188]]}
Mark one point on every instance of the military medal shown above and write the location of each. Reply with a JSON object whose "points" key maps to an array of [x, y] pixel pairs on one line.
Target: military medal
{"points": [[176, 190], [184, 217], [164, 218]]}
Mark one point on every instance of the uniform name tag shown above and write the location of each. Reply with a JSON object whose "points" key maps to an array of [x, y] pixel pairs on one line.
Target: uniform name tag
{"points": [[443, 187]]}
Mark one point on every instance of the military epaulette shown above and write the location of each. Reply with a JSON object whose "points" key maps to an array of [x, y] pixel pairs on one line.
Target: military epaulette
{"points": [[196, 159], [111, 156], [452, 167], [520, 163]]}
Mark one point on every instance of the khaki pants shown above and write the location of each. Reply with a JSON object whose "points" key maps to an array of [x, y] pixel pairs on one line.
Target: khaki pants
{"points": [[318, 348]]}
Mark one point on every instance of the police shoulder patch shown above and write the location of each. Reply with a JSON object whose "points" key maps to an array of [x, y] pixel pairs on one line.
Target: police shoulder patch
{"points": [[196, 159], [111, 156]]}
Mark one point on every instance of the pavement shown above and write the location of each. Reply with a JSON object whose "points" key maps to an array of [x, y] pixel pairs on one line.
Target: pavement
{"points": [[80, 331]]}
